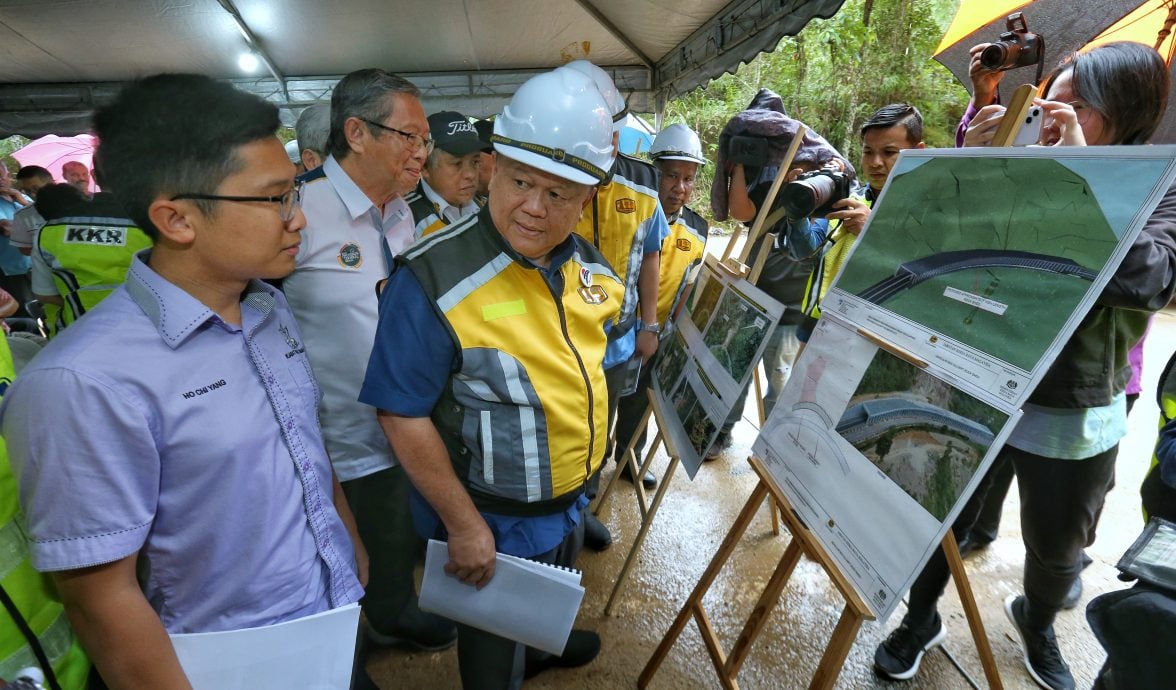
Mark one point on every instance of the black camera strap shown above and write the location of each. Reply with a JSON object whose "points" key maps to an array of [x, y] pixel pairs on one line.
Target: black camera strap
{"points": [[31, 638]]}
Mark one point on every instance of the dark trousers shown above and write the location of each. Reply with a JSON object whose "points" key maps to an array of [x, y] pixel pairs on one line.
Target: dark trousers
{"points": [[630, 410], [489, 662], [987, 525], [379, 502], [1060, 504]]}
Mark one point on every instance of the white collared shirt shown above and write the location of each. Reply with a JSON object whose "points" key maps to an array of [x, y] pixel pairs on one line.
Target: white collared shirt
{"points": [[448, 211], [333, 296]]}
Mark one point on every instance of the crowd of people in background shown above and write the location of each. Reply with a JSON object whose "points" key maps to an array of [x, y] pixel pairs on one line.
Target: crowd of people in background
{"points": [[307, 360]]}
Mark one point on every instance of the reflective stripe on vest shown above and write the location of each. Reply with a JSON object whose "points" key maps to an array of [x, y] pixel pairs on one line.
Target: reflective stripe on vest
{"points": [[681, 251], [529, 401], [617, 221], [55, 640]]}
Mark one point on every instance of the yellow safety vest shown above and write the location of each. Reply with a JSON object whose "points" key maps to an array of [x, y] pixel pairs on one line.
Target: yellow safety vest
{"points": [[89, 257], [616, 221], [525, 418], [31, 591], [681, 251]]}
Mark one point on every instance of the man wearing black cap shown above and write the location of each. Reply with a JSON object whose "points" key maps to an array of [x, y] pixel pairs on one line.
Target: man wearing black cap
{"points": [[449, 180]]}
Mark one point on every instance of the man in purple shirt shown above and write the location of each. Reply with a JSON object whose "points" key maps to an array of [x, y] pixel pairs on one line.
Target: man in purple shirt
{"points": [[170, 462]]}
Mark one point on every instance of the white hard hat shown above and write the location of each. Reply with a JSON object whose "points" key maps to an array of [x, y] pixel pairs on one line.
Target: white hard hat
{"points": [[677, 142], [559, 123], [293, 152], [608, 89]]}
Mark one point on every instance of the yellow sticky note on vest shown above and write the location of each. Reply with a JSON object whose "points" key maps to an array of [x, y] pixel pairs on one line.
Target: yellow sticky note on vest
{"points": [[503, 309]]}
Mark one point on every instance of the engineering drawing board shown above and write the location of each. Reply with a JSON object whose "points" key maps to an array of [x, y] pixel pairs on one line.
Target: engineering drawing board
{"points": [[704, 364], [875, 455], [975, 268], [981, 262]]}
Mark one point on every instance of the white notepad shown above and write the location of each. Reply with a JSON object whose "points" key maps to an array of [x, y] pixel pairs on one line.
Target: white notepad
{"points": [[314, 653], [526, 601]]}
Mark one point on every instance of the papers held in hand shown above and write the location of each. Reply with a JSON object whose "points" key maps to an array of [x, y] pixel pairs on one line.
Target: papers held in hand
{"points": [[526, 601]]}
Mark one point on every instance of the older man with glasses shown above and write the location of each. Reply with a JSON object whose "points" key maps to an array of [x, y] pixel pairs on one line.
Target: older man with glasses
{"points": [[356, 221]]}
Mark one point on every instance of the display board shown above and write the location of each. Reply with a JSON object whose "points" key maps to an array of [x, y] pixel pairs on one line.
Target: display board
{"points": [[983, 265], [706, 362], [973, 271]]}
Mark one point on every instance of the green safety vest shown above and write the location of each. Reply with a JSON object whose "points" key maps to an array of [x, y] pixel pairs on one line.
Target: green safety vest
{"points": [[30, 590], [89, 257]]}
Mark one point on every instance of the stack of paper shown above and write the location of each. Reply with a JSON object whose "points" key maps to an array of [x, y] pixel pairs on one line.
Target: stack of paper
{"points": [[314, 653], [526, 601]]}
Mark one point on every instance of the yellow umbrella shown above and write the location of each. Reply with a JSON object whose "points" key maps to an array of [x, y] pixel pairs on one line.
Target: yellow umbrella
{"points": [[1150, 22], [1067, 26]]}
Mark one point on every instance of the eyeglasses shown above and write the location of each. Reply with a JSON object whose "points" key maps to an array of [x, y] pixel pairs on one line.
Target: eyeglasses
{"points": [[415, 140], [287, 203], [1081, 110]]}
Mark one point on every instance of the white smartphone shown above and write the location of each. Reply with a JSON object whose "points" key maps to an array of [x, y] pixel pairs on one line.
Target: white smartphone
{"points": [[1030, 132]]}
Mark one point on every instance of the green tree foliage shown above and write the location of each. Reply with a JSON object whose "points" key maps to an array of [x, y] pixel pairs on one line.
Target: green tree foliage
{"points": [[837, 72]]}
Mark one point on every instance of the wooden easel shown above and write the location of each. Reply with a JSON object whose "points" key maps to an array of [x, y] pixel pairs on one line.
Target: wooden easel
{"points": [[803, 542], [648, 510]]}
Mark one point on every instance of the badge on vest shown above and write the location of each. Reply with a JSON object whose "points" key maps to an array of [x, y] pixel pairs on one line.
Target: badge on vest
{"points": [[683, 244], [593, 294], [626, 206], [350, 256], [106, 237]]}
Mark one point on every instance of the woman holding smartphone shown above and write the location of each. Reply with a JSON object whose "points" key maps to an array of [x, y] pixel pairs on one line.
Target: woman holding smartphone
{"points": [[1063, 450]]}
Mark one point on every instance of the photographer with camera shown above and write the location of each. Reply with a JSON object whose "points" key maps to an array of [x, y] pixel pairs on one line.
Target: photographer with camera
{"points": [[1017, 47], [885, 134], [747, 147]]}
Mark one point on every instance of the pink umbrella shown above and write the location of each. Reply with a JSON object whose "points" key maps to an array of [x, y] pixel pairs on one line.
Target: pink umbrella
{"points": [[51, 152]]}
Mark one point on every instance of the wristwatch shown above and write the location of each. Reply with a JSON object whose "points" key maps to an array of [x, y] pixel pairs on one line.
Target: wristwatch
{"points": [[653, 328]]}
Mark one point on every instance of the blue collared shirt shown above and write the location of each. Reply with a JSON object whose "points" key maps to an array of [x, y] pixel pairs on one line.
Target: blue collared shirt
{"points": [[12, 261], [152, 426]]}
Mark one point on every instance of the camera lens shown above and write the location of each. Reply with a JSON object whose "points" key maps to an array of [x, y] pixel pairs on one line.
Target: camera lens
{"points": [[800, 198], [993, 56]]}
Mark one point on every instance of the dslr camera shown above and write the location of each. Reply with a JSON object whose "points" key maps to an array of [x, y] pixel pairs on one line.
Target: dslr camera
{"points": [[814, 193], [1017, 47]]}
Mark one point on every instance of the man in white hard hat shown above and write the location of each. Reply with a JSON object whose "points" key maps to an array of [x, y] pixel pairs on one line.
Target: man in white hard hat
{"points": [[626, 223], [677, 153], [487, 368]]}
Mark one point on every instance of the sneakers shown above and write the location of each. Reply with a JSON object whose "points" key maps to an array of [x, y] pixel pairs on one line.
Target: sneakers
{"points": [[899, 655], [582, 647], [1040, 650], [596, 535], [416, 630]]}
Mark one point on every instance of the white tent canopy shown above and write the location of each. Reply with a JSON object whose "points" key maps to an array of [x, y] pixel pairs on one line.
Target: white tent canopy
{"points": [[60, 58]]}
